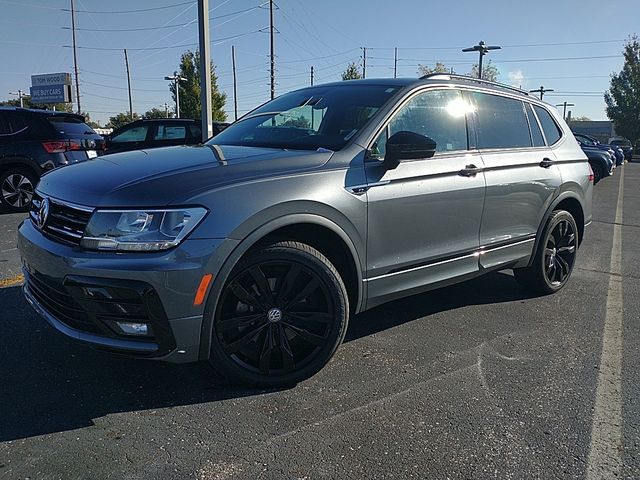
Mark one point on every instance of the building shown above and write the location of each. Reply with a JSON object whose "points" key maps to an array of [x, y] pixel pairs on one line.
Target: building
{"points": [[601, 129]]}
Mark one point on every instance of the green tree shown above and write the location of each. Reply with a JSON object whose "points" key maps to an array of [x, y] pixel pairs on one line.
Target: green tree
{"points": [[623, 96], [121, 119], [489, 71], [427, 70], [155, 113], [190, 89], [351, 73], [88, 121]]}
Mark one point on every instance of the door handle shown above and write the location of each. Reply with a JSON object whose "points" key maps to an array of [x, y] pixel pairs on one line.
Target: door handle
{"points": [[469, 171], [546, 163]]}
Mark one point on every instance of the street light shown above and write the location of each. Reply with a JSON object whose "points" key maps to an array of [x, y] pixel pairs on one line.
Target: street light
{"points": [[542, 91], [20, 94], [482, 49], [175, 78]]}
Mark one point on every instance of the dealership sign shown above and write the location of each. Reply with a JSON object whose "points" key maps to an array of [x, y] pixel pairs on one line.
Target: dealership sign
{"points": [[51, 88]]}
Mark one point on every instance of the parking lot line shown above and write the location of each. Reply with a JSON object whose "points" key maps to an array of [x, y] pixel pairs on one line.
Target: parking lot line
{"points": [[605, 451]]}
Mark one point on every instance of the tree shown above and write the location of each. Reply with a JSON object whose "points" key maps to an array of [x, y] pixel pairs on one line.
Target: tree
{"points": [[489, 71], [190, 89], [88, 121], [623, 96], [427, 70], [351, 73], [580, 119], [121, 119], [155, 113]]}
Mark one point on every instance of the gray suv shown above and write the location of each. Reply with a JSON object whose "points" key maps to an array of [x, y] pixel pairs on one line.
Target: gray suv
{"points": [[252, 251]]}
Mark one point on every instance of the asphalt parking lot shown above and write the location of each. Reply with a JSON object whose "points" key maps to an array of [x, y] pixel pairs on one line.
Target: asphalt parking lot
{"points": [[478, 380]]}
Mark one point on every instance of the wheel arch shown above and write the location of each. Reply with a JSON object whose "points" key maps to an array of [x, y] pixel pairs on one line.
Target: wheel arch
{"points": [[315, 230], [22, 162]]}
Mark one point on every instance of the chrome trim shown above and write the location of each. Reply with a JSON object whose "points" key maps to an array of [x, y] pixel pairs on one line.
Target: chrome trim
{"points": [[64, 232], [360, 189], [476, 253], [68, 204]]}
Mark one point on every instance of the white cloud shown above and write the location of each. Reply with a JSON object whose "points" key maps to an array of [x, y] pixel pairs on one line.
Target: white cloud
{"points": [[516, 78]]}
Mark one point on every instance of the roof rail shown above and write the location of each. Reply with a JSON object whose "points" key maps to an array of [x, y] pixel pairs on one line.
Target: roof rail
{"points": [[453, 76]]}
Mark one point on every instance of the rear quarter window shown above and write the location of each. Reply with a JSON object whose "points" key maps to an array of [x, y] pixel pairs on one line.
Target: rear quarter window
{"points": [[550, 128]]}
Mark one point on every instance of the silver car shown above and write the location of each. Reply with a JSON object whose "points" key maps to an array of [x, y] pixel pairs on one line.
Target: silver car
{"points": [[253, 250]]}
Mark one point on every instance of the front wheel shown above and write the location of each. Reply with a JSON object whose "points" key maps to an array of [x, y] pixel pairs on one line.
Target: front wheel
{"points": [[16, 188], [555, 257], [280, 317]]}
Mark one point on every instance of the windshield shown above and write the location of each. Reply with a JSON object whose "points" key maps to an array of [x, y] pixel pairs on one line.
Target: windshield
{"points": [[318, 117], [624, 143]]}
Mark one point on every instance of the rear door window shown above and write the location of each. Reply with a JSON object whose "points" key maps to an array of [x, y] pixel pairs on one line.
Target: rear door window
{"points": [[70, 125], [171, 132], [137, 133], [550, 128], [501, 122]]}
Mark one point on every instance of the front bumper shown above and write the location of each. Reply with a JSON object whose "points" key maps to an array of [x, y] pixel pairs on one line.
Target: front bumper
{"points": [[80, 293]]}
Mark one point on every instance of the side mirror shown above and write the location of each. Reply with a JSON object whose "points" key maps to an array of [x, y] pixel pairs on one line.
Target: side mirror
{"points": [[405, 145]]}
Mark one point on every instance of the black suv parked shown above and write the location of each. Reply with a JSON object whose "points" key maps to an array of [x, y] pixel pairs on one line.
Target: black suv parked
{"points": [[162, 132], [35, 141]]}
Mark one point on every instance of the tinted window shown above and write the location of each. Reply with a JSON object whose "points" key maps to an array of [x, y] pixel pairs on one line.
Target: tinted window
{"points": [[308, 119], [132, 134], [171, 132], [536, 133], [501, 122], [549, 127], [196, 133], [438, 114], [70, 125]]}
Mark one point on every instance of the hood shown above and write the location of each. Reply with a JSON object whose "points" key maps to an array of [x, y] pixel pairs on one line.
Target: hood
{"points": [[171, 175]]}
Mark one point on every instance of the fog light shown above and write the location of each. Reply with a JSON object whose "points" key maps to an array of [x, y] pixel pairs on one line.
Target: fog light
{"points": [[134, 328]]}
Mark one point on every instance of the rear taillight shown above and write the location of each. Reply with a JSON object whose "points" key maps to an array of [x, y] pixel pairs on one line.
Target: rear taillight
{"points": [[61, 146], [591, 175]]}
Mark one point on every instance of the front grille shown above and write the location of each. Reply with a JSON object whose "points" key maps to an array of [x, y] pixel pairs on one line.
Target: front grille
{"points": [[65, 222], [56, 300]]}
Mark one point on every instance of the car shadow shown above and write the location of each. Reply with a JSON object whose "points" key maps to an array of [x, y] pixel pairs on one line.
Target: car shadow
{"points": [[52, 384]]}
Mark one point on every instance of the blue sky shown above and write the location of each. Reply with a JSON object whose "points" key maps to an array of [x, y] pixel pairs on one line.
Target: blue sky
{"points": [[540, 41]]}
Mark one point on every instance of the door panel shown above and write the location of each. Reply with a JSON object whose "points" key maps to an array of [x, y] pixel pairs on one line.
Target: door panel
{"points": [[423, 224]]}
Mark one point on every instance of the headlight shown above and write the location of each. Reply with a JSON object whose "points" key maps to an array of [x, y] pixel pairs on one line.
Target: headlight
{"points": [[140, 230]]}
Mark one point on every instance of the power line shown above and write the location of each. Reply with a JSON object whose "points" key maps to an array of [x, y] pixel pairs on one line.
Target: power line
{"points": [[131, 11]]}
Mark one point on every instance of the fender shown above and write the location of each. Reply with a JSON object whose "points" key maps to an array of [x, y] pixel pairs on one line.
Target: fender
{"points": [[244, 246], [22, 160], [562, 196]]}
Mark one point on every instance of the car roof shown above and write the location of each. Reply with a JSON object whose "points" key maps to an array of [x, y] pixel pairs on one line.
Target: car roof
{"points": [[38, 111], [433, 78]]}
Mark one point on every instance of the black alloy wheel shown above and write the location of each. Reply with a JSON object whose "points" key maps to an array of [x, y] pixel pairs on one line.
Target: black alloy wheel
{"points": [[560, 252], [16, 189], [555, 256], [280, 317]]}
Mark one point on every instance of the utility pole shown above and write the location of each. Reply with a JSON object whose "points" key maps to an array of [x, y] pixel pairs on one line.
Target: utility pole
{"points": [[482, 50], [564, 106], [235, 84], [395, 62], [75, 54], [126, 61], [312, 75], [271, 56], [364, 62], [541, 91], [176, 79], [20, 94], [205, 70]]}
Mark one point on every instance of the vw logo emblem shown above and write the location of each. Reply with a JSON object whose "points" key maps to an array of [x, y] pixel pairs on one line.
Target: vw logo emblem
{"points": [[274, 315], [43, 213]]}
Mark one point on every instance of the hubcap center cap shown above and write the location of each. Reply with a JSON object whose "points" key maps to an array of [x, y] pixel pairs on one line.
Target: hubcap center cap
{"points": [[274, 315]]}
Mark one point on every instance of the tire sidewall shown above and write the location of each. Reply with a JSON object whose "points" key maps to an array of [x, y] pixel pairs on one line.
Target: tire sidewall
{"points": [[554, 220], [333, 284]]}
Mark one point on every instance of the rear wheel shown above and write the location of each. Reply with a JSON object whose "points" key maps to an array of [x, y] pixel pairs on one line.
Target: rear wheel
{"points": [[280, 317], [16, 188], [555, 256]]}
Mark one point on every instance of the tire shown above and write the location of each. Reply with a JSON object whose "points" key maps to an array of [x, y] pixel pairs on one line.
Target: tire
{"points": [[280, 318], [555, 256], [598, 172], [16, 188]]}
